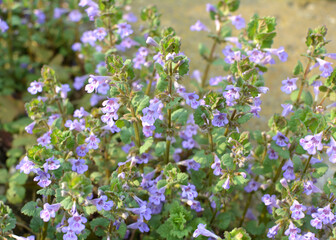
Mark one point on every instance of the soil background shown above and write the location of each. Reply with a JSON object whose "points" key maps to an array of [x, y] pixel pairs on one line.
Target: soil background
{"points": [[294, 18]]}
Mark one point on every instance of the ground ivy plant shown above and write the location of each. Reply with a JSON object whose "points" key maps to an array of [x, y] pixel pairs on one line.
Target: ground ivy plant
{"points": [[163, 152]]}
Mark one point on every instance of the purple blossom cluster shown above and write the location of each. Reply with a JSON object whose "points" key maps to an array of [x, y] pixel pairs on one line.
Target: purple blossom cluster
{"points": [[150, 115]]}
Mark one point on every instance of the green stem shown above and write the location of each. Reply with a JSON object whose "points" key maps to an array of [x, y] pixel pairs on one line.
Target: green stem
{"points": [[170, 88], [149, 86], [306, 167], [209, 62], [246, 208], [136, 128], [303, 80]]}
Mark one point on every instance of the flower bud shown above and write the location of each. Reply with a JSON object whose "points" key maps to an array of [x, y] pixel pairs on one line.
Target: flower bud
{"points": [[284, 183], [150, 41]]}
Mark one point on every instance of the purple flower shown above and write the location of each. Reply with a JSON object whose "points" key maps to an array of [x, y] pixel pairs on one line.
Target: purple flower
{"points": [[201, 230], [287, 108], [292, 231], [130, 17], [297, 210], [75, 16], [289, 85], [76, 223], [272, 154], [89, 37], [100, 33], [331, 151], [210, 8], [142, 226], [58, 12], [69, 233], [49, 211], [269, 200], [79, 82], [156, 195], [280, 139], [273, 231], [216, 166], [288, 169], [75, 125], [226, 184], [190, 164], [51, 164], [309, 236], [189, 191], [316, 222], [30, 127], [79, 113], [216, 80], [35, 87], [95, 82], [64, 89], [231, 94], [311, 143], [40, 16], [102, 203], [325, 67], [44, 140], [126, 43], [124, 30], [310, 188], [252, 186], [78, 165], [196, 205], [143, 211], [43, 178], [220, 120], [82, 150], [238, 22], [25, 165], [52, 118], [92, 141], [326, 215], [3, 26], [93, 10], [198, 26], [280, 52], [316, 85], [256, 56], [76, 47]]}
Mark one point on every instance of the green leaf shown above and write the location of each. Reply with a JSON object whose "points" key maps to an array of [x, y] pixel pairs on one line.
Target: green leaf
{"points": [[223, 220], [227, 161], [203, 50], [162, 84], [180, 116], [245, 118], [319, 169], [98, 225], [161, 183], [298, 68], [15, 194], [182, 178], [239, 234], [31, 209], [254, 228], [125, 135], [160, 148], [148, 143], [143, 103], [67, 203], [4, 176], [204, 159]]}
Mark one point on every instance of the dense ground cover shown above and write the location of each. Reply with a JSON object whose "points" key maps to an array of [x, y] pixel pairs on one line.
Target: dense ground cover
{"points": [[140, 146]]}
